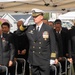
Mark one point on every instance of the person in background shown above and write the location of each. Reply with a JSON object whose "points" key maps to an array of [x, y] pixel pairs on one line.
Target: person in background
{"points": [[45, 21], [22, 46], [7, 49], [51, 23], [42, 44], [72, 45], [61, 35]]}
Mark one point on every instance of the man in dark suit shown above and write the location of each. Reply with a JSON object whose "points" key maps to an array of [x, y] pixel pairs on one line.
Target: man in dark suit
{"points": [[61, 35], [42, 44], [22, 46], [72, 45], [6, 46]]}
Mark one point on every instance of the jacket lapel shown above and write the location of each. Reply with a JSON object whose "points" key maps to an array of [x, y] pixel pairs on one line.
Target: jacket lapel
{"points": [[40, 33], [34, 32], [36, 35]]}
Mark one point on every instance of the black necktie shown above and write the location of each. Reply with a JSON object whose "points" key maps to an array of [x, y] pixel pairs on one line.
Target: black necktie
{"points": [[37, 29], [60, 43]]}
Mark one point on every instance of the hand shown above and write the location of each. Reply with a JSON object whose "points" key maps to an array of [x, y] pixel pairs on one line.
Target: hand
{"points": [[70, 60], [51, 61], [23, 52], [27, 21], [56, 61], [18, 52], [10, 63]]}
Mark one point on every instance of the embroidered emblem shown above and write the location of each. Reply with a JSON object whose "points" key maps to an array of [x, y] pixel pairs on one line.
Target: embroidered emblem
{"points": [[45, 35]]}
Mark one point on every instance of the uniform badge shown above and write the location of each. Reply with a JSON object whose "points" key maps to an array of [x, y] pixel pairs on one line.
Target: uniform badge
{"points": [[45, 35]]}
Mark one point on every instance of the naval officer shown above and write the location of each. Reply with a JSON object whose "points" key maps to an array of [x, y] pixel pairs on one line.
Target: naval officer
{"points": [[42, 44]]}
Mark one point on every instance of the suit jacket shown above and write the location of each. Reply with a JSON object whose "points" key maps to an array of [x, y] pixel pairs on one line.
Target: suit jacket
{"points": [[21, 43], [62, 42], [6, 49], [72, 43], [42, 45]]}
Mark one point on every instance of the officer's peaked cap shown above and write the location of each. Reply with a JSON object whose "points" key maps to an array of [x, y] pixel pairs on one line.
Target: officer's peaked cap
{"points": [[36, 12]]}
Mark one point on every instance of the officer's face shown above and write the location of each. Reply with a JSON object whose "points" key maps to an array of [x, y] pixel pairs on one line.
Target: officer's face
{"points": [[38, 19]]}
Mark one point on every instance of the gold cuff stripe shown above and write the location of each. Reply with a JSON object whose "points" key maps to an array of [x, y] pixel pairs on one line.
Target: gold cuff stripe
{"points": [[53, 55], [22, 28]]}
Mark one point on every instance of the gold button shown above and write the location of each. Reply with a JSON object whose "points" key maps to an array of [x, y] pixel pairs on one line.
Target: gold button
{"points": [[39, 42], [34, 41], [33, 46], [39, 52], [33, 51], [39, 47]]}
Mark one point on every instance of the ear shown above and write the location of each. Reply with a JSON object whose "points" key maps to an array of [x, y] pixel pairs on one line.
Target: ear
{"points": [[41, 17]]}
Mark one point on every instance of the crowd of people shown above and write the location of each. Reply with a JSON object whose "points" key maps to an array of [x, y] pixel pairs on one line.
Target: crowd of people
{"points": [[40, 44]]}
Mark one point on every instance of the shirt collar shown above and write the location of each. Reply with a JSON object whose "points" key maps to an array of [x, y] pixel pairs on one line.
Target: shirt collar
{"points": [[59, 31], [39, 26]]}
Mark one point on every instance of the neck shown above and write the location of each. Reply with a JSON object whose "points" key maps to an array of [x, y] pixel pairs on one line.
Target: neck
{"points": [[39, 23]]}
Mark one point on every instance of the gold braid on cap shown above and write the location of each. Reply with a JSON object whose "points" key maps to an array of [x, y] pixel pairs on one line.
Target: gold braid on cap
{"points": [[34, 13]]}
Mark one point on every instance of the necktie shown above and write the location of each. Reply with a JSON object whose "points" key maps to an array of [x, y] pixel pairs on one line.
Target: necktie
{"points": [[37, 32], [37, 29]]}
